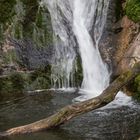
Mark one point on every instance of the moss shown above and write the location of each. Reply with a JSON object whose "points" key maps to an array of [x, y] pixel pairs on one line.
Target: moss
{"points": [[134, 88], [9, 57], [124, 76], [5, 85], [29, 20], [13, 83], [79, 72], [19, 82], [43, 30], [6, 14], [132, 10], [6, 10], [18, 33], [137, 85], [40, 79], [37, 23], [31, 8]]}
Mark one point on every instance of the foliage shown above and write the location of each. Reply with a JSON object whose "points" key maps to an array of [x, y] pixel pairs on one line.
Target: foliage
{"points": [[132, 10], [17, 82], [12, 83], [40, 79], [6, 10], [25, 19], [137, 87], [79, 72], [9, 57], [36, 24], [6, 13]]}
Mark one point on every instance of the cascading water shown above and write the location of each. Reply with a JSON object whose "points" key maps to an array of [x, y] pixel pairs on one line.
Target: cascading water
{"points": [[64, 41], [76, 19], [90, 15]]}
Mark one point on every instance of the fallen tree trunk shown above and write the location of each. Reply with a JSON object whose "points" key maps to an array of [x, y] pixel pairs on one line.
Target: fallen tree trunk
{"points": [[74, 110]]}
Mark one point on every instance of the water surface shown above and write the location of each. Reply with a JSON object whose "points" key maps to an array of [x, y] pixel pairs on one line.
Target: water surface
{"points": [[120, 120]]}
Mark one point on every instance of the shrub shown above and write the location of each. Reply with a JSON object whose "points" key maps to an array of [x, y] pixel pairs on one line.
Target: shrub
{"points": [[132, 10]]}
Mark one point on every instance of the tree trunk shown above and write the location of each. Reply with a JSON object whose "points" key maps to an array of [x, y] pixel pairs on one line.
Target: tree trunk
{"points": [[71, 111]]}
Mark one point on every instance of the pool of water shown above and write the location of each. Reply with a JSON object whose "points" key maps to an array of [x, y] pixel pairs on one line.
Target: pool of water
{"points": [[119, 120]]}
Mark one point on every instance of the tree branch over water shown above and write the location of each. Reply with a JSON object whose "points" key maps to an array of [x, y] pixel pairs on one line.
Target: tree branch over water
{"points": [[71, 111]]}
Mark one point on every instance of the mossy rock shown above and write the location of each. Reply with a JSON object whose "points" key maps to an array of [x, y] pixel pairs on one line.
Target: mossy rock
{"points": [[40, 79], [30, 21], [135, 88], [79, 72], [13, 83], [17, 83], [11, 86], [132, 10], [6, 10], [9, 57]]}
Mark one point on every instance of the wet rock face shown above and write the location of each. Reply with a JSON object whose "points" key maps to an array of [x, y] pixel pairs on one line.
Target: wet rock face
{"points": [[25, 19], [124, 38], [116, 42], [107, 44], [20, 82], [6, 10], [25, 34], [30, 56], [131, 56]]}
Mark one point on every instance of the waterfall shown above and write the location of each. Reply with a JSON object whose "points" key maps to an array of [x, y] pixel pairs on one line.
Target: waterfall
{"points": [[88, 15], [73, 21], [63, 63]]}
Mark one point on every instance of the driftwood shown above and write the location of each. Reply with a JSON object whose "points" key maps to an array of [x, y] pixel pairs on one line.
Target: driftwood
{"points": [[71, 111]]}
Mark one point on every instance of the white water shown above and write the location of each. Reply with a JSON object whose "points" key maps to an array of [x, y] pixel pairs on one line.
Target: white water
{"points": [[63, 64], [121, 99], [77, 18]]}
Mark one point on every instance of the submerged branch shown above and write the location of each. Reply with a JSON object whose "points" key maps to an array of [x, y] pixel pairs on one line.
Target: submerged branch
{"points": [[71, 111]]}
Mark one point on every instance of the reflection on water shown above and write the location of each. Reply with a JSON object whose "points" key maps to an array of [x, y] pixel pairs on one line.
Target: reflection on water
{"points": [[120, 120]]}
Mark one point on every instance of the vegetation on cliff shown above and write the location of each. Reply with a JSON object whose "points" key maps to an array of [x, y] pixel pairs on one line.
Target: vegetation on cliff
{"points": [[133, 10], [137, 87], [19, 82], [25, 19]]}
